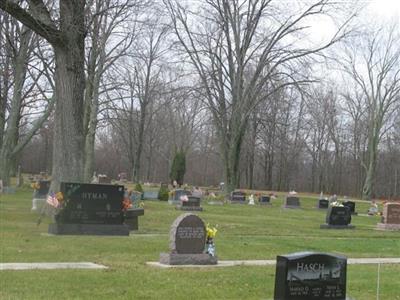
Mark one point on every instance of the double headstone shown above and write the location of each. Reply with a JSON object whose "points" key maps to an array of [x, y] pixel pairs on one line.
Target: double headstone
{"points": [[308, 275], [390, 217], [323, 203], [238, 197], [40, 194], [187, 243], [193, 204], [337, 217], [265, 200], [291, 202], [95, 209]]}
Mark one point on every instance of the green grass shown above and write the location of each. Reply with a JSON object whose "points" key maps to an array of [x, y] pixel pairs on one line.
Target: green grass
{"points": [[245, 232]]}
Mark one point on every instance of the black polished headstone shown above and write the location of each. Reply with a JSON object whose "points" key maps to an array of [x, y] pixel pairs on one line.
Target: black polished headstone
{"points": [[338, 215], [291, 202], [91, 204], [44, 186], [238, 197], [351, 205], [193, 203], [265, 199], [323, 203], [308, 276]]}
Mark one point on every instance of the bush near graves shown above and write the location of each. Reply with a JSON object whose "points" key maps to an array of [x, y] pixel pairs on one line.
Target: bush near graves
{"points": [[138, 188], [163, 193], [178, 168]]}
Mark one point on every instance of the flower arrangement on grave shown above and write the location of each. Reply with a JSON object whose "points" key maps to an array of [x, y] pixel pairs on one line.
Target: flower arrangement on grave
{"points": [[35, 185], [171, 193], [336, 203], [126, 204], [211, 233]]}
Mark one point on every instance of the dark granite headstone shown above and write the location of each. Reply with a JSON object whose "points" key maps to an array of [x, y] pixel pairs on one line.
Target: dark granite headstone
{"points": [[87, 206], [187, 242], [338, 217], [291, 202], [265, 200], [44, 186], [238, 197], [323, 203], [351, 205], [193, 204], [308, 276], [390, 217]]}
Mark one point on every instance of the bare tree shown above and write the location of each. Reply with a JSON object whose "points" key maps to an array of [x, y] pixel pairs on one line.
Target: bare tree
{"points": [[374, 64], [67, 36], [236, 55]]}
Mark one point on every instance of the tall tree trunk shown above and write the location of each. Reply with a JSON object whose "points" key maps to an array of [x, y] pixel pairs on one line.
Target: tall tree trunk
{"points": [[70, 85]]}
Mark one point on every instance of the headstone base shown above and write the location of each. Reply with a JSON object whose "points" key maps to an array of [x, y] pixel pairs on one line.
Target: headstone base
{"points": [[328, 226], [291, 206], [174, 202], [188, 208], [237, 202], [88, 229], [215, 203], [187, 259], [384, 226]]}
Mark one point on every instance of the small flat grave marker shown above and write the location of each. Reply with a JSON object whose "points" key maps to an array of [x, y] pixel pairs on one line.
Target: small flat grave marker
{"points": [[308, 275]]}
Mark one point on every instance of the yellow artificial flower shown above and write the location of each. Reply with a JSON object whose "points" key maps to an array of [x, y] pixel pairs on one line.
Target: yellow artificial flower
{"points": [[60, 197], [211, 231]]}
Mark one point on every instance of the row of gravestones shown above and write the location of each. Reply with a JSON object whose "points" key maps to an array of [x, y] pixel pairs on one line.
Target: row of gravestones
{"points": [[300, 276]]}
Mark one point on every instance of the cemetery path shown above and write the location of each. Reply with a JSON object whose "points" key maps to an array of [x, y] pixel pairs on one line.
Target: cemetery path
{"points": [[272, 262]]}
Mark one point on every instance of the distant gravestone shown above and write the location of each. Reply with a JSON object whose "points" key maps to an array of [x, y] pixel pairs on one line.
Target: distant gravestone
{"points": [[265, 200], [40, 195], [1, 186], [175, 198], [193, 204], [150, 195], [291, 202], [103, 179], [338, 217], [187, 243], [323, 204], [308, 275], [91, 209], [351, 205], [238, 197], [390, 217]]}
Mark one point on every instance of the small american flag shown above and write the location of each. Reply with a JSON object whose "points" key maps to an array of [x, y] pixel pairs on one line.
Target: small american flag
{"points": [[52, 200]]}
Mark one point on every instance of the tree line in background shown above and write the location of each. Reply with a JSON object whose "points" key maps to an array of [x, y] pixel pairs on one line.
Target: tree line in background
{"points": [[237, 90]]}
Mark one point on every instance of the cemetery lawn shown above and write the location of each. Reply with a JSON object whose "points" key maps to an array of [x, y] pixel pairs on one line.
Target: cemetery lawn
{"points": [[244, 232]]}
